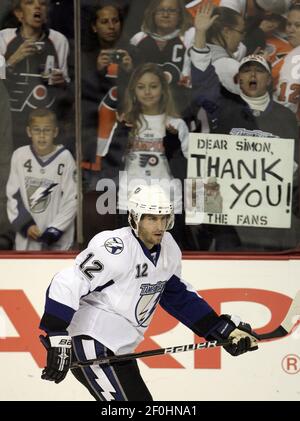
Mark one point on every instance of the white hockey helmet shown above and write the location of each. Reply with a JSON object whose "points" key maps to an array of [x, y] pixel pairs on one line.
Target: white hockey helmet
{"points": [[151, 200]]}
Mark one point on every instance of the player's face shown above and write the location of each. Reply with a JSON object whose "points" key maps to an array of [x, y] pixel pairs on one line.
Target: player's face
{"points": [[152, 228], [108, 25], [32, 13], [148, 93], [254, 80], [42, 132], [293, 28], [166, 17]]}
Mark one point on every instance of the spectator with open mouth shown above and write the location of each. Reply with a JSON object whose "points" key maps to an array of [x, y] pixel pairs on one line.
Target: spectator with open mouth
{"points": [[36, 58], [251, 113]]}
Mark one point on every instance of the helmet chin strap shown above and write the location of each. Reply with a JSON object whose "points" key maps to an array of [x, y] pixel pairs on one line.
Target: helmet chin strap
{"points": [[136, 231], [136, 221]]}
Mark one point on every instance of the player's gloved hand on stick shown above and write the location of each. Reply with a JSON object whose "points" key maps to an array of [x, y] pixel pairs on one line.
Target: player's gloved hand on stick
{"points": [[241, 334], [58, 357]]}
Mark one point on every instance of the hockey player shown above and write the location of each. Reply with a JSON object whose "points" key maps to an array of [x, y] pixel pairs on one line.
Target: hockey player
{"points": [[41, 189], [105, 302]]}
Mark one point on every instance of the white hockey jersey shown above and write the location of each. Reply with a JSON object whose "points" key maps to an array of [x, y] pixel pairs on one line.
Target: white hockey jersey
{"points": [[44, 193], [112, 291], [146, 159], [288, 86]]}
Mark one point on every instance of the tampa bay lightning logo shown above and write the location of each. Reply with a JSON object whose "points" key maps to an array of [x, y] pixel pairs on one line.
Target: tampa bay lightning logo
{"points": [[114, 245], [39, 193], [149, 298]]}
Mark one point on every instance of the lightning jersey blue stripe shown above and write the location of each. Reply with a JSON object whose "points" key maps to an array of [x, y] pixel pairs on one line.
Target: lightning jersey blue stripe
{"points": [[59, 310], [184, 304]]}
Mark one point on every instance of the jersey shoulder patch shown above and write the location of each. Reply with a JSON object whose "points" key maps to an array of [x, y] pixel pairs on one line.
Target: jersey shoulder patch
{"points": [[113, 242], [114, 245]]}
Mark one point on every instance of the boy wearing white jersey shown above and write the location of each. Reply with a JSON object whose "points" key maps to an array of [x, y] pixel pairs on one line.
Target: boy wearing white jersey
{"points": [[41, 189], [104, 303]]}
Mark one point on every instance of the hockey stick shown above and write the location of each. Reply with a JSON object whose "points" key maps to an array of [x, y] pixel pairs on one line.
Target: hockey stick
{"points": [[293, 315], [160, 351], [292, 318]]}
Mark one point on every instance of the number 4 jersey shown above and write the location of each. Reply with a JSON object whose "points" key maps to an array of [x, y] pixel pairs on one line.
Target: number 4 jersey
{"points": [[43, 193]]}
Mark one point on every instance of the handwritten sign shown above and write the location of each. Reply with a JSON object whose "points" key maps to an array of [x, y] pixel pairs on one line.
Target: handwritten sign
{"points": [[241, 180]]}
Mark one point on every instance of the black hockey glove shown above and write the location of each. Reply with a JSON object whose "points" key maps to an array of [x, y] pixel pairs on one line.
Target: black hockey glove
{"points": [[58, 357], [50, 235], [243, 338]]}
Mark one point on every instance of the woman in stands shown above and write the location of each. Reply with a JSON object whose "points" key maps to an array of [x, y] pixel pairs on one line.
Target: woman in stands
{"points": [[105, 59], [166, 35]]}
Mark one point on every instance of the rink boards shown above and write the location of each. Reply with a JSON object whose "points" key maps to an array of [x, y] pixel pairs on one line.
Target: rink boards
{"points": [[259, 291]]}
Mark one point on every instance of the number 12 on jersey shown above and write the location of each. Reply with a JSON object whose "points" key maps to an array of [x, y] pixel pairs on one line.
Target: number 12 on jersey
{"points": [[95, 266]]}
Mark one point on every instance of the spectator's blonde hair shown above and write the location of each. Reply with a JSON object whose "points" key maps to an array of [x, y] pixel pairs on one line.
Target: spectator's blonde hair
{"points": [[42, 112], [132, 108], [149, 26]]}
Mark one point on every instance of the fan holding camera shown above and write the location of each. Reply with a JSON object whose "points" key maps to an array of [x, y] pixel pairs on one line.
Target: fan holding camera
{"points": [[107, 61], [114, 56]]}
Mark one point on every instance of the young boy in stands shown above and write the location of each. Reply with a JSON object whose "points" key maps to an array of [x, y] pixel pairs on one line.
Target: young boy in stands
{"points": [[41, 189]]}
